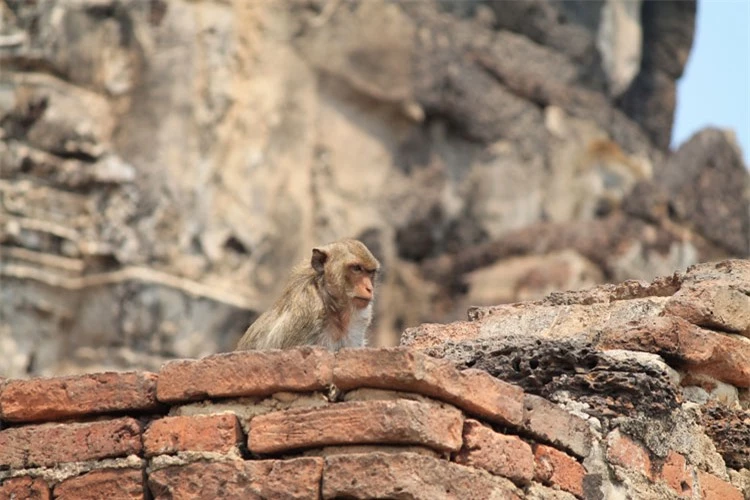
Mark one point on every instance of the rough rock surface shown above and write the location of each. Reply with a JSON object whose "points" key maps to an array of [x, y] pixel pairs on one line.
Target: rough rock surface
{"points": [[167, 162], [636, 390], [661, 369]]}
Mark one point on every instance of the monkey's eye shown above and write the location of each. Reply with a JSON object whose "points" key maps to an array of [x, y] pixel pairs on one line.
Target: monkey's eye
{"points": [[357, 268]]}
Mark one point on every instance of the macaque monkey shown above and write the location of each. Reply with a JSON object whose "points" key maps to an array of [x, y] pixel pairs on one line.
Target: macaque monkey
{"points": [[327, 302]]}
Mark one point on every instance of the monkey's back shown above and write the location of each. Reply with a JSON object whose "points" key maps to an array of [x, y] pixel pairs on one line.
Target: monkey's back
{"points": [[295, 319]]}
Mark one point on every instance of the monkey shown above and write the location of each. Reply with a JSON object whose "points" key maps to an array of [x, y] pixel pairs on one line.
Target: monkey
{"points": [[327, 301]]}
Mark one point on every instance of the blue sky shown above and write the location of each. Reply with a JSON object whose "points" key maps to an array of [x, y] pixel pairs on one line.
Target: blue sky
{"points": [[715, 88]]}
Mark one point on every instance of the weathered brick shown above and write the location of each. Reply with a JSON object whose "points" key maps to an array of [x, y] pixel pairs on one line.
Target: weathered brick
{"points": [[556, 468], [169, 435], [45, 399], [550, 423], [367, 422], [718, 305], [497, 453], [676, 473], [112, 484], [713, 488], [623, 451], [49, 444], [399, 369], [724, 357], [253, 479], [24, 488], [245, 373], [406, 475]]}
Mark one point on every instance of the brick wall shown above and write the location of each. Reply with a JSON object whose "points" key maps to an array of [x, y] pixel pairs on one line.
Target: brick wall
{"points": [[307, 423]]}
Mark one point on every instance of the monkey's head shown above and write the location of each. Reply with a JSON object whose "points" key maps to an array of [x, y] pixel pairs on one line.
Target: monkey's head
{"points": [[348, 270]]}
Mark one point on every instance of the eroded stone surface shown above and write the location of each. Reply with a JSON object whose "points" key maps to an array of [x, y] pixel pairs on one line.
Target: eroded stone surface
{"points": [[564, 336], [660, 367], [729, 428]]}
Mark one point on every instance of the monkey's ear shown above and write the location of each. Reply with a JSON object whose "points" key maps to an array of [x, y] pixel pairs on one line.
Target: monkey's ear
{"points": [[319, 258]]}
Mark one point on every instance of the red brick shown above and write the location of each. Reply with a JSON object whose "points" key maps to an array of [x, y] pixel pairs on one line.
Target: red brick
{"points": [[502, 455], [407, 475], [49, 444], [718, 305], [366, 422], [625, 452], [555, 468], [45, 399], [253, 479], [399, 369], [676, 473], [550, 423], [713, 488], [169, 435], [112, 484], [723, 357], [24, 488], [245, 373]]}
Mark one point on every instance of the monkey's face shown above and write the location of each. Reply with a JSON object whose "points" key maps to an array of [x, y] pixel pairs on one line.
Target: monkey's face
{"points": [[349, 269], [362, 286]]}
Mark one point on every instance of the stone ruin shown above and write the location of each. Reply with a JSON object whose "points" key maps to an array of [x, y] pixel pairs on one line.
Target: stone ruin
{"points": [[637, 390]]}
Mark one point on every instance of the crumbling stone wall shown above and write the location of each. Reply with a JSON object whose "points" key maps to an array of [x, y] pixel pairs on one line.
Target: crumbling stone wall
{"points": [[306, 423], [666, 363]]}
